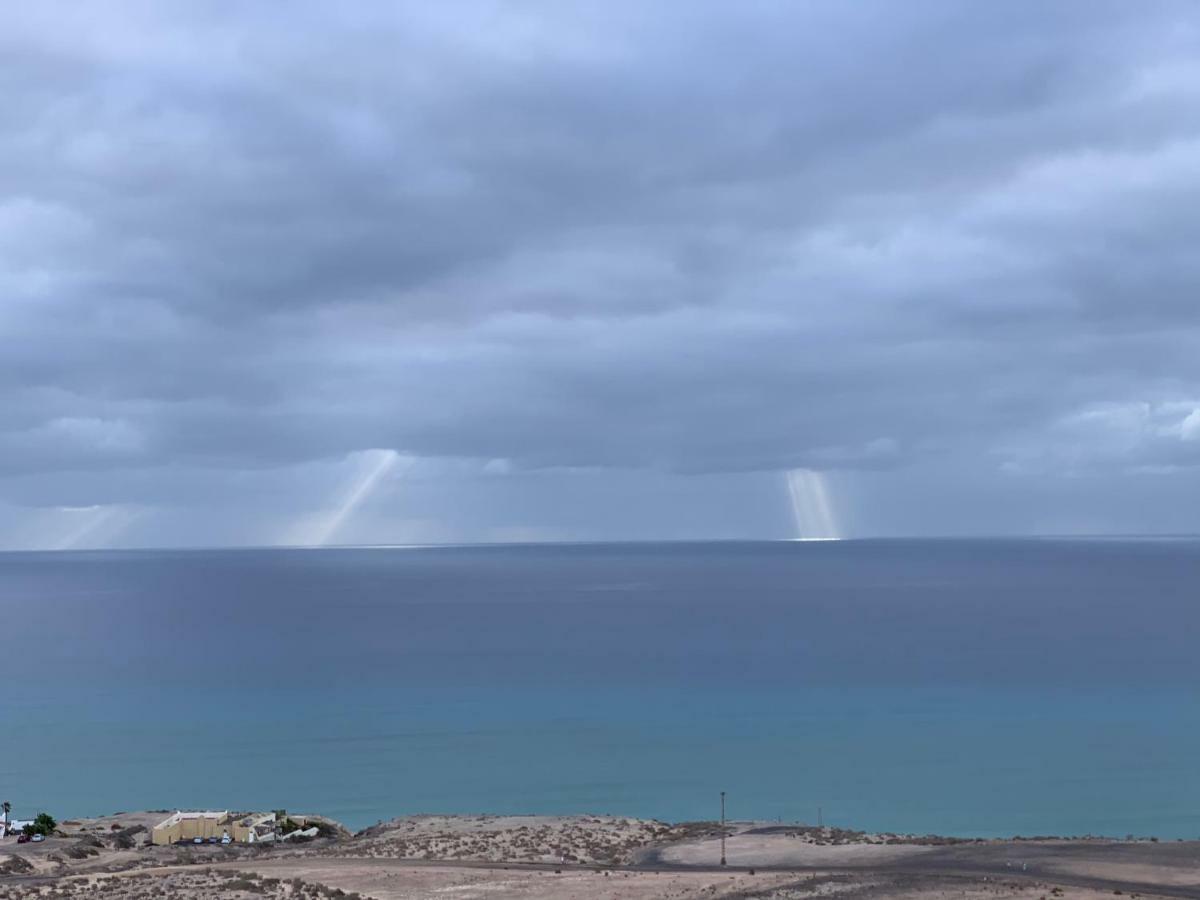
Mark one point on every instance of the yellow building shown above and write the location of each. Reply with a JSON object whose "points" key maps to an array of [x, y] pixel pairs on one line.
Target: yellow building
{"points": [[187, 826], [239, 828]]}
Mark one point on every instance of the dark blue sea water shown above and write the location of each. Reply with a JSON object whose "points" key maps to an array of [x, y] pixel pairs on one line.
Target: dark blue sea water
{"points": [[966, 687]]}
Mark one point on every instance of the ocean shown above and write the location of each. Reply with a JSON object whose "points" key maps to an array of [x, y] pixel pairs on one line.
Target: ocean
{"points": [[967, 687]]}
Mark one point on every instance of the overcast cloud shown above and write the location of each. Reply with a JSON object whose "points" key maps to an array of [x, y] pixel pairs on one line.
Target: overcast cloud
{"points": [[575, 271]]}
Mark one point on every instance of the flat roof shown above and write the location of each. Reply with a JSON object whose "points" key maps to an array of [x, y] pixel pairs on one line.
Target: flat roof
{"points": [[180, 815]]}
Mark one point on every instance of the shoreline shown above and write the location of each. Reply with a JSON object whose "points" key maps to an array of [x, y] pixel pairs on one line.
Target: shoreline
{"points": [[834, 833]]}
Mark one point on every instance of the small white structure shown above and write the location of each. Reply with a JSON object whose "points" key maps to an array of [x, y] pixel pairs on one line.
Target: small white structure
{"points": [[14, 826]]}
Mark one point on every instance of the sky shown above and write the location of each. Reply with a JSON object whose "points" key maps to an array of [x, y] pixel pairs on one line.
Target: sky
{"points": [[484, 271]]}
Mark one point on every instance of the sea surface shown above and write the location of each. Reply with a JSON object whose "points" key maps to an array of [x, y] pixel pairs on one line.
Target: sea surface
{"points": [[972, 687]]}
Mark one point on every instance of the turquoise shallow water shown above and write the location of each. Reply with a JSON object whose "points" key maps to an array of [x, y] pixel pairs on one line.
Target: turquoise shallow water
{"points": [[970, 687]]}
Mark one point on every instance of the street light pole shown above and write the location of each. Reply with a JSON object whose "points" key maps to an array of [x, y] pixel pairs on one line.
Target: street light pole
{"points": [[722, 828]]}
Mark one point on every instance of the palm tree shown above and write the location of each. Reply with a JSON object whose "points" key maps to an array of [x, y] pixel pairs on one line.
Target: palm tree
{"points": [[6, 807]]}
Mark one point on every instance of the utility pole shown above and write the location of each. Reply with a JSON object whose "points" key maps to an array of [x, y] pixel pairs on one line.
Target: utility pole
{"points": [[722, 828]]}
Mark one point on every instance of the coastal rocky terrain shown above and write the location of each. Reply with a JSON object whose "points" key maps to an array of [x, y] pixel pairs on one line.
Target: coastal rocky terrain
{"points": [[606, 840], [585, 857]]}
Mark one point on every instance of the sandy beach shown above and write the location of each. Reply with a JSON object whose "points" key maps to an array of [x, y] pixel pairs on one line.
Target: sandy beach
{"points": [[585, 857]]}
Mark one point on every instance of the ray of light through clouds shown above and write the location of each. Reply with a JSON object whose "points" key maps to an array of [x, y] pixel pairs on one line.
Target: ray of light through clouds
{"points": [[71, 528], [917, 268], [811, 509], [87, 527], [372, 466]]}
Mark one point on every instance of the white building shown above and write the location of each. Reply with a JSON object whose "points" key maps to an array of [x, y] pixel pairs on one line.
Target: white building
{"points": [[14, 826]]}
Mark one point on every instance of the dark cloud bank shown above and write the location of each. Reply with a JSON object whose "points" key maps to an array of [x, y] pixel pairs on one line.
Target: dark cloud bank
{"points": [[596, 271]]}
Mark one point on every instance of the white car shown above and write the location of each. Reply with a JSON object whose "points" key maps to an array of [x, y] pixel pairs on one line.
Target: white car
{"points": [[38, 837]]}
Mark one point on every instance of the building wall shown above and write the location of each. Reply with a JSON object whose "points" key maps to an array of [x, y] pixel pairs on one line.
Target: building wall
{"points": [[190, 829], [241, 826], [238, 827]]}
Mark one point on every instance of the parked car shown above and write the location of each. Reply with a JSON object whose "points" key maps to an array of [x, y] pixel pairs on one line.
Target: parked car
{"points": [[23, 839], [197, 840], [38, 837]]}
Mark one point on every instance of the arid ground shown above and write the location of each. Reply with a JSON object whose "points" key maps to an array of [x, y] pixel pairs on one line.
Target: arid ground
{"points": [[589, 858]]}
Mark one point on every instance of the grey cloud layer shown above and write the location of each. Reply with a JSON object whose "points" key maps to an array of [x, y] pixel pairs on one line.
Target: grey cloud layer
{"points": [[695, 237]]}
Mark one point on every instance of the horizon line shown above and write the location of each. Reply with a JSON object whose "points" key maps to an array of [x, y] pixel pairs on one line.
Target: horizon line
{"points": [[451, 545]]}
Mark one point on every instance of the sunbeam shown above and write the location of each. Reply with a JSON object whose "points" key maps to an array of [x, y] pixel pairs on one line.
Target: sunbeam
{"points": [[377, 464], [91, 527], [811, 509]]}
